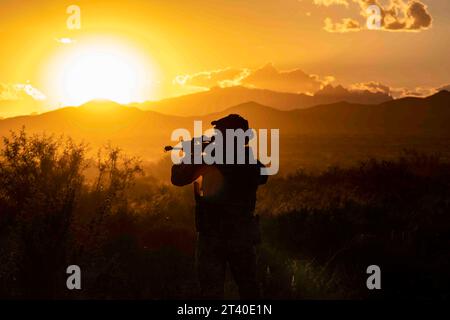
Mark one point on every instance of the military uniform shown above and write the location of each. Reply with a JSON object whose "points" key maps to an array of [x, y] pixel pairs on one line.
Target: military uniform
{"points": [[227, 228]]}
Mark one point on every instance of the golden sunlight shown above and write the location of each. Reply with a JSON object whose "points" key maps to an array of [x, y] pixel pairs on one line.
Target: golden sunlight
{"points": [[100, 70]]}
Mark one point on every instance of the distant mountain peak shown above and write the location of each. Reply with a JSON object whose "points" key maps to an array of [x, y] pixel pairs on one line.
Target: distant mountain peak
{"points": [[269, 65], [441, 96], [99, 102], [441, 93], [329, 90], [249, 104], [101, 105], [267, 70]]}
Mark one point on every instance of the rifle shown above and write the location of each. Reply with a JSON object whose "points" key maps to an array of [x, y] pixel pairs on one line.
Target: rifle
{"points": [[189, 145]]}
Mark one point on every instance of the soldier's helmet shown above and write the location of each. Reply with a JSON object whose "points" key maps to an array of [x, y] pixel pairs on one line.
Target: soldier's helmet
{"points": [[232, 121]]}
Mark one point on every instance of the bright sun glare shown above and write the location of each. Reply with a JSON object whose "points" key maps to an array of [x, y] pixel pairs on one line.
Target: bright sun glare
{"points": [[100, 71]]}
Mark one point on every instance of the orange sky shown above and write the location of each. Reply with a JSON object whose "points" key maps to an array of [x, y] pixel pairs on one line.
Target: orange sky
{"points": [[173, 38]]}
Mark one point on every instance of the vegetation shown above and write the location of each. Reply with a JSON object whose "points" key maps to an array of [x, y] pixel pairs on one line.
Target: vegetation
{"points": [[133, 234]]}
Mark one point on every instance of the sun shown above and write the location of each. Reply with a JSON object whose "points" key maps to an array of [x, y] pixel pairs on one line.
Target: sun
{"points": [[98, 73], [100, 70]]}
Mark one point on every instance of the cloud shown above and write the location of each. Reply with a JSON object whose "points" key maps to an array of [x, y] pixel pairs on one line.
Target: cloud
{"points": [[419, 15], [65, 40], [346, 25], [395, 15], [419, 91], [371, 86], [297, 81], [368, 88], [266, 77], [397, 92], [376, 92], [353, 94], [207, 79], [402, 16], [20, 99], [10, 92], [328, 3]]}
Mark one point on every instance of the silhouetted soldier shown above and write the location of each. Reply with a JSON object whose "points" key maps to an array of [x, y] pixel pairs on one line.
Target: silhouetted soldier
{"points": [[228, 231]]}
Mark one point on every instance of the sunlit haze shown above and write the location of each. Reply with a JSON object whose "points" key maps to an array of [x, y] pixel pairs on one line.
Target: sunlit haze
{"points": [[99, 70], [136, 51]]}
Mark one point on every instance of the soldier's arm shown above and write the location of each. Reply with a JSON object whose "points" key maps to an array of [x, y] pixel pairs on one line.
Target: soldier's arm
{"points": [[184, 174], [262, 179]]}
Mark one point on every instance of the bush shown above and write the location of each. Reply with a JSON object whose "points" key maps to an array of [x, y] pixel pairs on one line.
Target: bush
{"points": [[133, 235]]}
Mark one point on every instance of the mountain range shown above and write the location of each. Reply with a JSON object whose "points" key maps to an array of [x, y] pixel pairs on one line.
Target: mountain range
{"points": [[145, 132], [218, 99]]}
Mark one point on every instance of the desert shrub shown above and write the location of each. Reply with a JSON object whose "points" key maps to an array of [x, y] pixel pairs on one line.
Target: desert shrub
{"points": [[391, 213], [133, 235], [40, 180]]}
